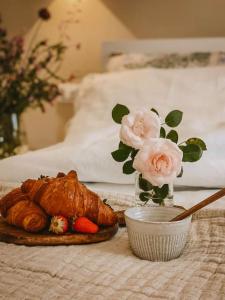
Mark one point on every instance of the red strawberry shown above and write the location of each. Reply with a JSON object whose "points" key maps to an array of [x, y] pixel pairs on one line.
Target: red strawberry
{"points": [[59, 225], [84, 225]]}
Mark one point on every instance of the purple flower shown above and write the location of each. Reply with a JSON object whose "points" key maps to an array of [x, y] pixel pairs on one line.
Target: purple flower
{"points": [[44, 14]]}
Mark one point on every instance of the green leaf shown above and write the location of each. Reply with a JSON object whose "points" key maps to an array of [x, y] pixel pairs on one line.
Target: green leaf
{"points": [[120, 155], [173, 136], [160, 193], [191, 152], [181, 172], [174, 118], [134, 153], [144, 197], [124, 146], [144, 184], [155, 111], [118, 112], [162, 132], [197, 141], [128, 167], [129, 149]]}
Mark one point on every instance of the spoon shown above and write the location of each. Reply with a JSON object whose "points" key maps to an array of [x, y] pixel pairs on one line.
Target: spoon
{"points": [[200, 205]]}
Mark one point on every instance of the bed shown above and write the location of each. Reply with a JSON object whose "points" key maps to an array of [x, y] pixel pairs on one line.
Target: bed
{"points": [[109, 270]]}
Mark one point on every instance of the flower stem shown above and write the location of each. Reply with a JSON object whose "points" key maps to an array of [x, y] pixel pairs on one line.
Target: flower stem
{"points": [[33, 38]]}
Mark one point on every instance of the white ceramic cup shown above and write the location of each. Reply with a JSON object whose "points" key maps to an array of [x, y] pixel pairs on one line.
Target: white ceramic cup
{"points": [[152, 236]]}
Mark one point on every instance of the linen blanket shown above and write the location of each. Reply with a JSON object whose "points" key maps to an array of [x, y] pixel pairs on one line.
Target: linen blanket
{"points": [[109, 270]]}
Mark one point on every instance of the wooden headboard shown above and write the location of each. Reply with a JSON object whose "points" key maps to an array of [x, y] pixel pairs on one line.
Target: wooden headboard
{"points": [[184, 45]]}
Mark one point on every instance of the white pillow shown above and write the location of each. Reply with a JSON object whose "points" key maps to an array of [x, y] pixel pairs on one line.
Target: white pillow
{"points": [[92, 135], [199, 93]]}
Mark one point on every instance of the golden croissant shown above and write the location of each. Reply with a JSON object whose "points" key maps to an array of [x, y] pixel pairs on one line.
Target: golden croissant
{"points": [[17, 209], [63, 195]]}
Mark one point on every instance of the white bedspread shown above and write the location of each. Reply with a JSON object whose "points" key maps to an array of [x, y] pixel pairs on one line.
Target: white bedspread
{"points": [[109, 270]]}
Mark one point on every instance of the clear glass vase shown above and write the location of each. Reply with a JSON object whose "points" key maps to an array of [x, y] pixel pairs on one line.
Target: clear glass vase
{"points": [[10, 135], [148, 195]]}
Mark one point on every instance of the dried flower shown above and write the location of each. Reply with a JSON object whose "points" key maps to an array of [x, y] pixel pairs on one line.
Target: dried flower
{"points": [[18, 40], [26, 79], [44, 14], [2, 32]]}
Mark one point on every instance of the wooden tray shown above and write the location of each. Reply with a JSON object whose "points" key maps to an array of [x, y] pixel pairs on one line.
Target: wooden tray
{"points": [[12, 234]]}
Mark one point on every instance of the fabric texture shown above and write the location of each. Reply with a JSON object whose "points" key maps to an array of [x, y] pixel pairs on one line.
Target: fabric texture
{"points": [[128, 61], [109, 270]]}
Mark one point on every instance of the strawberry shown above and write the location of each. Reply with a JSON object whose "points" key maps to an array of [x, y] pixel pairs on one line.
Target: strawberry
{"points": [[59, 225], [84, 225]]}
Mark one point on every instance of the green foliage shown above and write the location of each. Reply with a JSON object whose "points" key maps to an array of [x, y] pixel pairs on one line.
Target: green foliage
{"points": [[191, 152], [124, 147], [162, 132], [144, 184], [118, 112], [155, 111], [173, 136], [174, 118], [144, 197], [128, 167], [151, 192], [197, 141], [160, 193], [27, 78], [156, 194], [181, 172], [120, 155], [134, 153]]}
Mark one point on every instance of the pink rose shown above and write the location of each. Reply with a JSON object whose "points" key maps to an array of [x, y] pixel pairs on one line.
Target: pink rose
{"points": [[138, 127], [159, 161]]}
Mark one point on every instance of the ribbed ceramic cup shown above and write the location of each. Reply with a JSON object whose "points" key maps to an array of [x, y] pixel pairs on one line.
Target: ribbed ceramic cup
{"points": [[152, 236]]}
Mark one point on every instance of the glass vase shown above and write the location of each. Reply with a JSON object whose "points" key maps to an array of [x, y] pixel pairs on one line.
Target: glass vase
{"points": [[147, 194], [10, 136]]}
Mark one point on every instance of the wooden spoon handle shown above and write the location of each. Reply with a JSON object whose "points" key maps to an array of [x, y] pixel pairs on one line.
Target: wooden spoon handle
{"points": [[200, 205]]}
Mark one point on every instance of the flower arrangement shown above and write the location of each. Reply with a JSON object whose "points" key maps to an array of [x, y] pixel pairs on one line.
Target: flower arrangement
{"points": [[27, 78], [147, 146]]}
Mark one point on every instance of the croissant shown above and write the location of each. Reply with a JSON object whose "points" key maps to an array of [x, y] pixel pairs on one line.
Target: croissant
{"points": [[17, 209], [66, 196]]}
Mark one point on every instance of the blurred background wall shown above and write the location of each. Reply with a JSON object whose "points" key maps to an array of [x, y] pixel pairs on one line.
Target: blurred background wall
{"points": [[87, 23], [84, 24]]}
